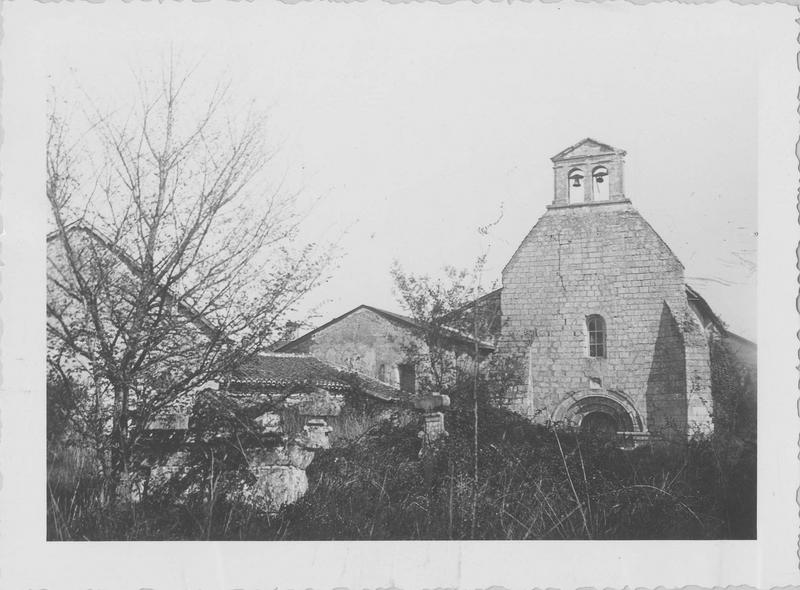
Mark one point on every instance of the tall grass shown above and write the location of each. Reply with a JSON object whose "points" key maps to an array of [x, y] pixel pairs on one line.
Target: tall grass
{"points": [[536, 482]]}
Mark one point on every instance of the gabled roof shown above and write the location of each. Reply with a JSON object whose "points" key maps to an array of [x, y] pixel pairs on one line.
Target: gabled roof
{"points": [[404, 321], [276, 369], [587, 147], [187, 309], [485, 297]]}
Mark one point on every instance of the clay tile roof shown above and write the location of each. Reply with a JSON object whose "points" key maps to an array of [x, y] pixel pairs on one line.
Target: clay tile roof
{"points": [[285, 369], [281, 369]]}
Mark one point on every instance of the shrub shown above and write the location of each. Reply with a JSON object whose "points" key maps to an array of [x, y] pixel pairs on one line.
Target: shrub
{"points": [[534, 482]]}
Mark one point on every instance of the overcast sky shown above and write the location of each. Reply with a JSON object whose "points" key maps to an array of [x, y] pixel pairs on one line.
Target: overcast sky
{"points": [[418, 123]]}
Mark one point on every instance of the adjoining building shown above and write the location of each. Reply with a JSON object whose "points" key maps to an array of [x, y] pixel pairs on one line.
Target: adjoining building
{"points": [[383, 345]]}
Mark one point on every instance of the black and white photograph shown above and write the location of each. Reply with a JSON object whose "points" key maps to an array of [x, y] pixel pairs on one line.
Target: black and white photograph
{"points": [[500, 281]]}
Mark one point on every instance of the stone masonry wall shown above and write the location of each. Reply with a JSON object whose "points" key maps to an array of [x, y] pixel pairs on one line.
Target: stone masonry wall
{"points": [[362, 342], [603, 259]]}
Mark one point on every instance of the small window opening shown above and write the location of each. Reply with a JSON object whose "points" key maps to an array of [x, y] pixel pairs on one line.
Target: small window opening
{"points": [[576, 193], [597, 336], [382, 373], [600, 183]]}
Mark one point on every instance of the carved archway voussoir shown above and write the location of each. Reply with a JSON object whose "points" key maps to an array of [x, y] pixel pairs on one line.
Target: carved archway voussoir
{"points": [[571, 405]]}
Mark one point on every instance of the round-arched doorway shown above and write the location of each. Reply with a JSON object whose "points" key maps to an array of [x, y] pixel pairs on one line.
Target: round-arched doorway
{"points": [[599, 424], [599, 412]]}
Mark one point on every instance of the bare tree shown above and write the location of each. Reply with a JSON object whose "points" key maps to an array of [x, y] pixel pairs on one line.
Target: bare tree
{"points": [[434, 303], [172, 261]]}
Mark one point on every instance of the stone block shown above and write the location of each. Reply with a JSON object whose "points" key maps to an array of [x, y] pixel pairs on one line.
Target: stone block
{"points": [[315, 435], [270, 422], [279, 485], [320, 402], [431, 402]]}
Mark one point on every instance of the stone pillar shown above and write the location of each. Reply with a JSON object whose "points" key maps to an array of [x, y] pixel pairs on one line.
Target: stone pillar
{"points": [[433, 421], [280, 474], [280, 471], [433, 427]]}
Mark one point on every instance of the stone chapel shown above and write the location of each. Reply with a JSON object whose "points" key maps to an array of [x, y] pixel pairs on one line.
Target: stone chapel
{"points": [[597, 316]]}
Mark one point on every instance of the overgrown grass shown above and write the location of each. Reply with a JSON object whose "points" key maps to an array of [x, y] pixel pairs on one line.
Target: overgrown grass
{"points": [[534, 482]]}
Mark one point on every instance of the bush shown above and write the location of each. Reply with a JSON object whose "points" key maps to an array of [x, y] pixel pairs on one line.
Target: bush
{"points": [[534, 482]]}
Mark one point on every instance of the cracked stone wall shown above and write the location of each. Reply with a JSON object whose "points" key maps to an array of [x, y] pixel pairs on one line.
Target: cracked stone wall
{"points": [[603, 259]]}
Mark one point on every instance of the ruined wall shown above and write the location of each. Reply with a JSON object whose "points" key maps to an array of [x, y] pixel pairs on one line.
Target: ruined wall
{"points": [[603, 259]]}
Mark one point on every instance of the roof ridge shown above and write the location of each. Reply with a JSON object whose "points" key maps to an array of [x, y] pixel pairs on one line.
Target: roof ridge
{"points": [[604, 145]]}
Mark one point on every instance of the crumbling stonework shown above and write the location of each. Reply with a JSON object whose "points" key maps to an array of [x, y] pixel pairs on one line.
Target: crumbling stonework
{"points": [[602, 258]]}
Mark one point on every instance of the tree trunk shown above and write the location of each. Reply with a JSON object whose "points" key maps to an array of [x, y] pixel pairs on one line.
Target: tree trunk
{"points": [[119, 433]]}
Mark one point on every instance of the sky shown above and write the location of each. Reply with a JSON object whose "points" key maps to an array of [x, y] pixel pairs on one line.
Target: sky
{"points": [[410, 126]]}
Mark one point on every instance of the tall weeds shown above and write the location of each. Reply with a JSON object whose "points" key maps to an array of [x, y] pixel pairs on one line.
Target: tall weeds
{"points": [[536, 483]]}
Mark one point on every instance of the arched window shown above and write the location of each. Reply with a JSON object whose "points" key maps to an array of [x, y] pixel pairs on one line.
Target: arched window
{"points": [[600, 183], [596, 327], [575, 177], [382, 373]]}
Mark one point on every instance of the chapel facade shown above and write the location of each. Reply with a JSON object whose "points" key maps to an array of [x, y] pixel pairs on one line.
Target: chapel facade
{"points": [[596, 317]]}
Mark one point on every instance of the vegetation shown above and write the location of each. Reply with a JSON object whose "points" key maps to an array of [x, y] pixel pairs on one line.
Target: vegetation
{"points": [[189, 269], [173, 258], [537, 482]]}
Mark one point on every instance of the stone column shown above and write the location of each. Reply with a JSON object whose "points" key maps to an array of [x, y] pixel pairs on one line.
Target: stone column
{"points": [[280, 472], [433, 420]]}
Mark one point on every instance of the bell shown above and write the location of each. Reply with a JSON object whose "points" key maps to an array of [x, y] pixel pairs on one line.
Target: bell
{"points": [[599, 180], [577, 181]]}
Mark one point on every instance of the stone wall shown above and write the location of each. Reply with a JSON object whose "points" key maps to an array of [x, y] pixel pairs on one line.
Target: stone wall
{"points": [[603, 259], [368, 343], [363, 342]]}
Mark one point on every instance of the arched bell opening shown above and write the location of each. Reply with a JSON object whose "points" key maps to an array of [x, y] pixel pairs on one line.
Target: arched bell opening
{"points": [[600, 184], [576, 189]]}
